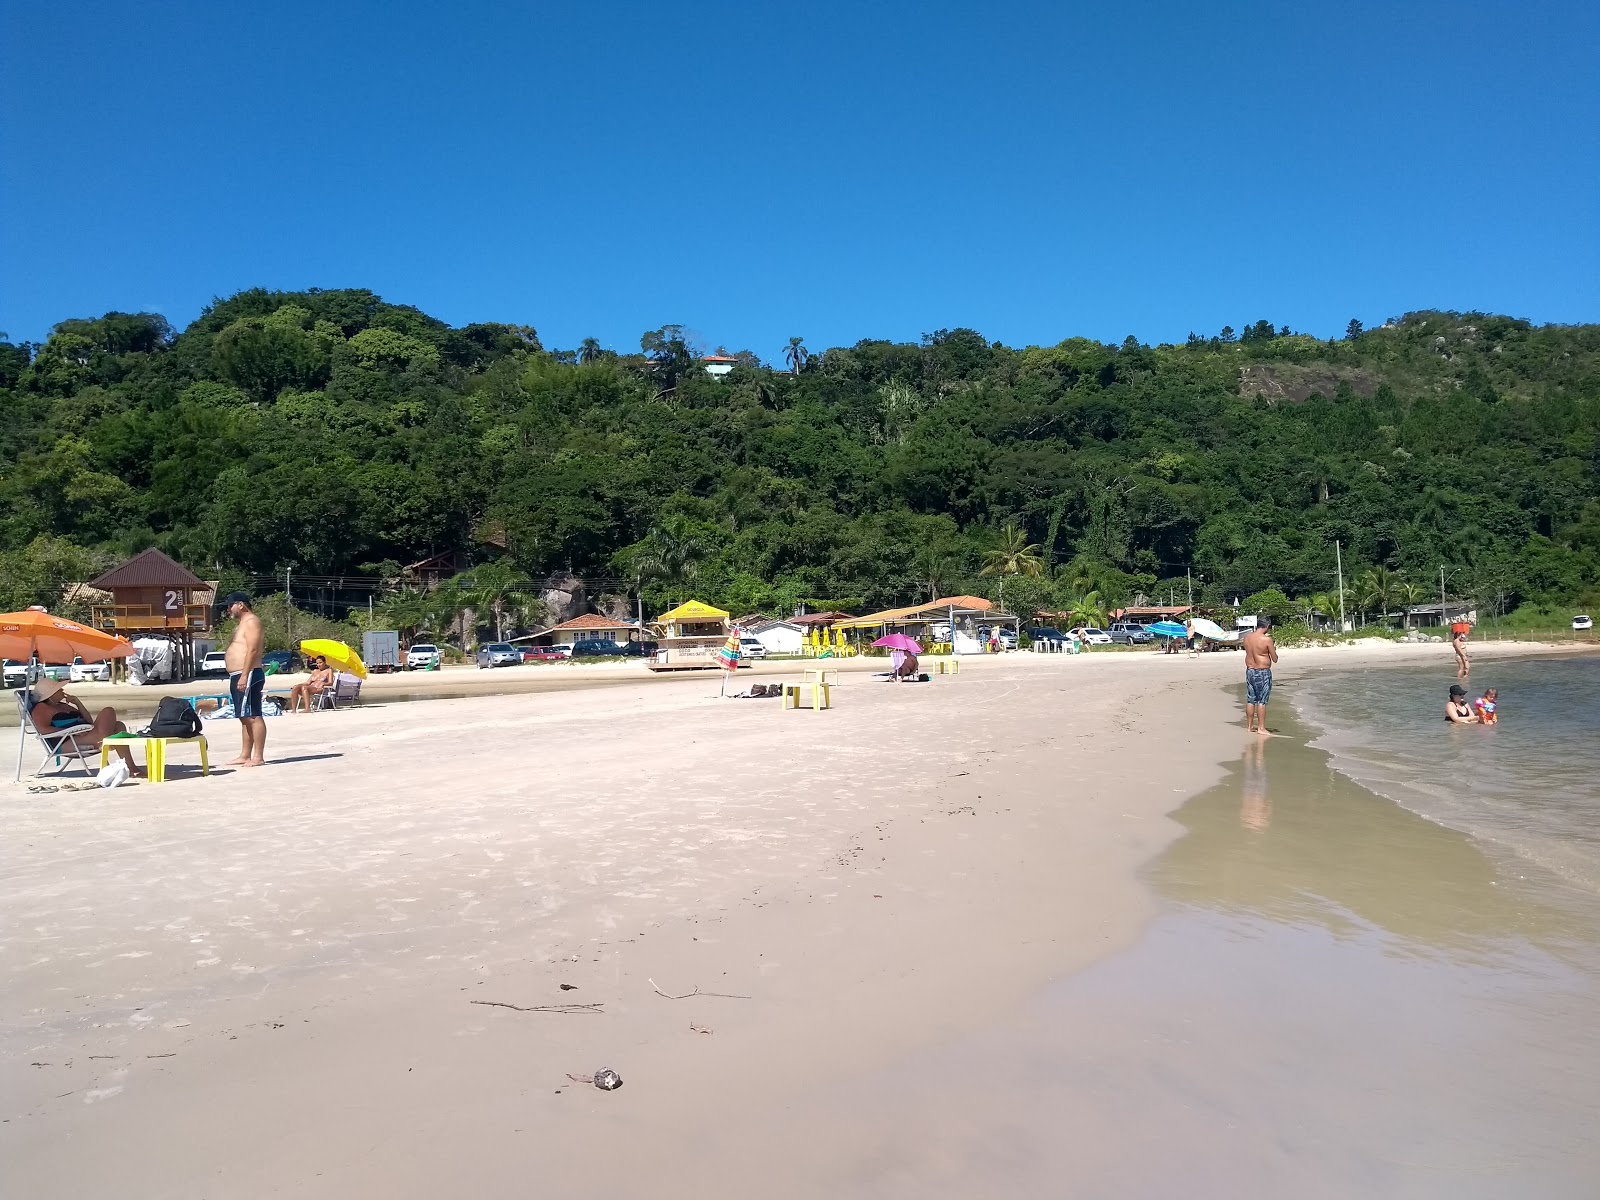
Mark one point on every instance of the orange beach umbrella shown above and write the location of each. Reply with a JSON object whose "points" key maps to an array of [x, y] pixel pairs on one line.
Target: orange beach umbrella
{"points": [[34, 633]]}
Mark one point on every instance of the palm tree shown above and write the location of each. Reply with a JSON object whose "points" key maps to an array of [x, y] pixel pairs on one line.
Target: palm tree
{"points": [[669, 555], [589, 351], [500, 588], [1013, 554], [1323, 605], [1376, 589], [1411, 595], [797, 355], [1086, 608]]}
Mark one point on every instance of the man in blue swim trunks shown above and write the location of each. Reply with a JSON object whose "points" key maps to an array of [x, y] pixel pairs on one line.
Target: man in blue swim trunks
{"points": [[246, 680], [1259, 654]]}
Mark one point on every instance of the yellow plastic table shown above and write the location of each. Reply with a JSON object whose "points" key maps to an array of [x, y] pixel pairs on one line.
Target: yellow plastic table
{"points": [[821, 695], [155, 753]]}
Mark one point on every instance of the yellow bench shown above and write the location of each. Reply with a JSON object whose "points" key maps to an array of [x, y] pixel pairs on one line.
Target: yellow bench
{"points": [[155, 753], [821, 694]]}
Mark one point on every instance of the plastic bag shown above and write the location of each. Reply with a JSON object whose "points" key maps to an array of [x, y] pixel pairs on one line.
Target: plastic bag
{"points": [[113, 774]]}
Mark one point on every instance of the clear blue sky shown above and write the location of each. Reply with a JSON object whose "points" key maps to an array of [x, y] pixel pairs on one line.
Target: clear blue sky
{"points": [[838, 171]]}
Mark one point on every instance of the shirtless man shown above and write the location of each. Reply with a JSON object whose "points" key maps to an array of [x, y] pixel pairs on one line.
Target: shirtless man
{"points": [[1459, 641], [246, 680], [1259, 654]]}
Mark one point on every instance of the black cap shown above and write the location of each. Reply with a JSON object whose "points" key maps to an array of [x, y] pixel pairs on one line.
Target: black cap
{"points": [[235, 598], [1457, 690]]}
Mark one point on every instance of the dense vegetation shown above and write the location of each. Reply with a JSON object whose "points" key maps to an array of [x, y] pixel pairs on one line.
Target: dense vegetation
{"points": [[332, 434]]}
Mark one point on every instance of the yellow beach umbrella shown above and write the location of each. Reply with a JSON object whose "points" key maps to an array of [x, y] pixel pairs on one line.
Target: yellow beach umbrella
{"points": [[338, 655]]}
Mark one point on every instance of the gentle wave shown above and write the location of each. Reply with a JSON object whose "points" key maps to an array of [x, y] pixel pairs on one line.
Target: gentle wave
{"points": [[1527, 785]]}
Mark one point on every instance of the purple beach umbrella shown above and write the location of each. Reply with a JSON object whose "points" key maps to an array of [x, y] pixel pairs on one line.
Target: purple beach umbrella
{"points": [[898, 641]]}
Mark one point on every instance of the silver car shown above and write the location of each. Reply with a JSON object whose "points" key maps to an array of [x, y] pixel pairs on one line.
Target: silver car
{"points": [[498, 654]]}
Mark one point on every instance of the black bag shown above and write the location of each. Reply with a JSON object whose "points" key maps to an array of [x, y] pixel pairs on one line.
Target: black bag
{"points": [[174, 719]]}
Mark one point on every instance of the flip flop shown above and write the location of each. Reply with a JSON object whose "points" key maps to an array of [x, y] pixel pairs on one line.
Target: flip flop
{"points": [[39, 789]]}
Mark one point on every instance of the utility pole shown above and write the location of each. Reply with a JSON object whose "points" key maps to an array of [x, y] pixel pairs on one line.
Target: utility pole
{"points": [[288, 608], [1338, 560], [1443, 618], [1190, 580]]}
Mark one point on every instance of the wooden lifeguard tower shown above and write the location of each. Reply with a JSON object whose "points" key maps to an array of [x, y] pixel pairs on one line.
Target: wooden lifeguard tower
{"points": [[692, 634], [153, 596]]}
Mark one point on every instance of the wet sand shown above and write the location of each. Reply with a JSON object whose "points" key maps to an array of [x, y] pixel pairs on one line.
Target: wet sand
{"points": [[1339, 999], [960, 981]]}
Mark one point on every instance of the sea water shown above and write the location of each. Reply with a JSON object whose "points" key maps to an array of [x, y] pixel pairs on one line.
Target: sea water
{"points": [[1527, 789]]}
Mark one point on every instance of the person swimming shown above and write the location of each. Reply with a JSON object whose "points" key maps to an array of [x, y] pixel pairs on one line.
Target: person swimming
{"points": [[1456, 709], [1486, 708]]}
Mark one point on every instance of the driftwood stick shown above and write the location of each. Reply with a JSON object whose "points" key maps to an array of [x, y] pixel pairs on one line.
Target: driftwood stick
{"points": [[696, 992], [555, 1008]]}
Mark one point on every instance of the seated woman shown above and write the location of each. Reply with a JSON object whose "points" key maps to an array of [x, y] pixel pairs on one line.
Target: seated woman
{"points": [[906, 668], [1456, 709], [321, 680], [54, 709]]}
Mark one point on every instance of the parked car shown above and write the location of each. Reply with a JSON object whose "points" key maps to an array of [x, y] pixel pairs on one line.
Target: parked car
{"points": [[604, 648], [213, 665], [1582, 623], [1126, 633], [16, 674], [498, 654], [423, 656], [1007, 638], [750, 647], [1090, 636], [1044, 633], [82, 672], [280, 662], [546, 653]]}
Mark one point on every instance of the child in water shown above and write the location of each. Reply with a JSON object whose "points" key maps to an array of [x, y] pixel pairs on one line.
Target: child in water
{"points": [[1486, 707]]}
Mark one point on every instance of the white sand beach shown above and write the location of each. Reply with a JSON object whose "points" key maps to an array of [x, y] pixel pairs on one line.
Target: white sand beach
{"points": [[294, 981]]}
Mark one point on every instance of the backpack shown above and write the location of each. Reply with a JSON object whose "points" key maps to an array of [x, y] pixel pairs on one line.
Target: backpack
{"points": [[174, 719]]}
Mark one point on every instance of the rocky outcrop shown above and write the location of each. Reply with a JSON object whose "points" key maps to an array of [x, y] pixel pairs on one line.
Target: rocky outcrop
{"points": [[1280, 382]]}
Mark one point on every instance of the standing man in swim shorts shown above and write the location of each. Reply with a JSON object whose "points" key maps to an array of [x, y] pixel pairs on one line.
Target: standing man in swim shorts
{"points": [[1260, 652], [246, 681]]}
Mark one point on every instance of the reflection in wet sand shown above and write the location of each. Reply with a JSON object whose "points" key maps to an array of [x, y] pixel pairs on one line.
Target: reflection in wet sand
{"points": [[1292, 840], [1345, 1000]]}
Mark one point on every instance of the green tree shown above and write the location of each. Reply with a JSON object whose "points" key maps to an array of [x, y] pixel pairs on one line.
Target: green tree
{"points": [[796, 354], [589, 351], [1012, 554], [502, 591], [1376, 591]]}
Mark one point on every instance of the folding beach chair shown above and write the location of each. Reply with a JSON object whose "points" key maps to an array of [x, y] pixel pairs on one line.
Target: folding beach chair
{"points": [[346, 690], [60, 745]]}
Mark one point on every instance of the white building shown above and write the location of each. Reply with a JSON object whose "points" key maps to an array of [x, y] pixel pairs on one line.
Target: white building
{"points": [[779, 637], [719, 364]]}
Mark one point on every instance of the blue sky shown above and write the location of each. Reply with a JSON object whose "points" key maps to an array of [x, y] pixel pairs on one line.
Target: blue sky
{"points": [[837, 171]]}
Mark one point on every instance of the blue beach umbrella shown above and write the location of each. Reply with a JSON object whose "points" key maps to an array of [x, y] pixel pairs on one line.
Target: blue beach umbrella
{"points": [[1169, 629]]}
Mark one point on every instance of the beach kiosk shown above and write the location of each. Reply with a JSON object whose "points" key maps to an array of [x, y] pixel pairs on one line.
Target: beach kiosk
{"points": [[691, 635]]}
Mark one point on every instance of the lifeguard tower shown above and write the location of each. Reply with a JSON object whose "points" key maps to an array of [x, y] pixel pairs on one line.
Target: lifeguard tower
{"points": [[153, 596]]}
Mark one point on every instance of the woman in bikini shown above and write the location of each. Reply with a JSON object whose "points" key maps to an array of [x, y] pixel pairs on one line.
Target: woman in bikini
{"points": [[1457, 710], [321, 680]]}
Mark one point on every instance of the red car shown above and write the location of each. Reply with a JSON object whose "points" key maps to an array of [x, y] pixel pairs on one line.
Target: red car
{"points": [[545, 653]]}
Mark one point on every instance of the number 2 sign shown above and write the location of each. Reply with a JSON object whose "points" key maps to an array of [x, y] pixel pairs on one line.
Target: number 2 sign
{"points": [[172, 602]]}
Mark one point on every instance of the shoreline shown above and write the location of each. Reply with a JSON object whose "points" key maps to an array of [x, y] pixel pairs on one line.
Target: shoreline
{"points": [[972, 906]]}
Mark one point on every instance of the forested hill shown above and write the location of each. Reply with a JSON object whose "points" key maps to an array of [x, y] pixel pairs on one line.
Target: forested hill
{"points": [[328, 432]]}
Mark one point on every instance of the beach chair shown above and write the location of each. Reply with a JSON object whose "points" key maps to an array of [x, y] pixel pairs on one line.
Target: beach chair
{"points": [[60, 745], [346, 690]]}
